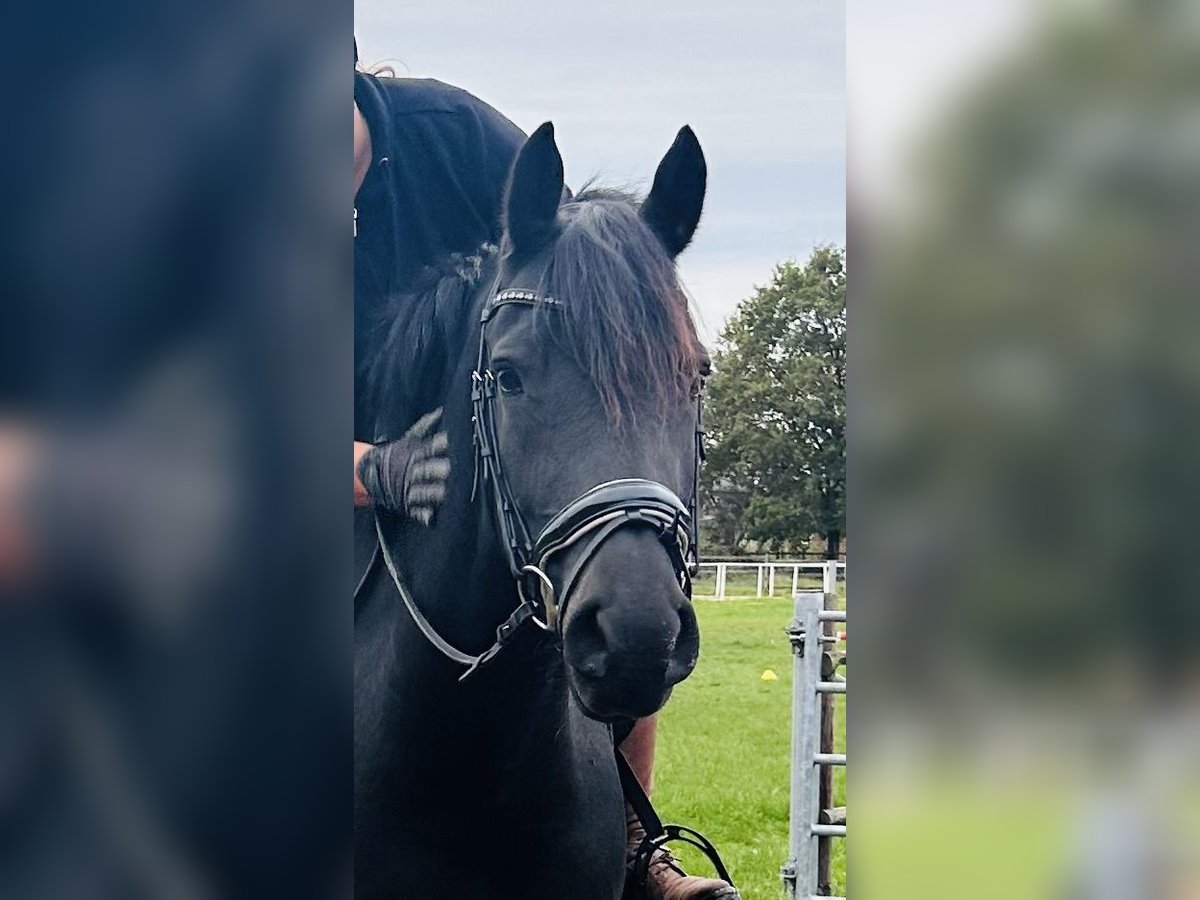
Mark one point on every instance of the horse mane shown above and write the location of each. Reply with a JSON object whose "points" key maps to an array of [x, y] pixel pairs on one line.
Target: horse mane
{"points": [[407, 374], [625, 317]]}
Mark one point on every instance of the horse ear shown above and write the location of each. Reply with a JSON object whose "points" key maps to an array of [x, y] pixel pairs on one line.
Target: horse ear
{"points": [[672, 210], [535, 187]]}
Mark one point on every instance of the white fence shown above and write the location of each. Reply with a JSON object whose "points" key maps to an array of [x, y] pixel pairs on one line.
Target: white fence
{"points": [[769, 576]]}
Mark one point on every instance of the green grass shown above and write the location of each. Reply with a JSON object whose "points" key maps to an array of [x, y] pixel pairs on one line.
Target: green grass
{"points": [[724, 746]]}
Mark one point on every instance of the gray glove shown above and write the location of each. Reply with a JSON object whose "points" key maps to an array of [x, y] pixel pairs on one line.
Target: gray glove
{"points": [[408, 476]]}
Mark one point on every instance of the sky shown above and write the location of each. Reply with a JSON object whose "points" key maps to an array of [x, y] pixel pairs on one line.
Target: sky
{"points": [[762, 83], [908, 63]]}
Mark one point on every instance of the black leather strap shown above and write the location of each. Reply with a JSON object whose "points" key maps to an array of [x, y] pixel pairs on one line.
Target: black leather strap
{"points": [[365, 578], [658, 834], [471, 661], [599, 513], [623, 493]]}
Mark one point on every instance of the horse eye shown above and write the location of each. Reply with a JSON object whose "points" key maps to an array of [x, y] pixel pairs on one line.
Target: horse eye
{"points": [[509, 382]]}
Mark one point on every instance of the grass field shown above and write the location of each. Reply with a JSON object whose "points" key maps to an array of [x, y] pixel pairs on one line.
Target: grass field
{"points": [[724, 746]]}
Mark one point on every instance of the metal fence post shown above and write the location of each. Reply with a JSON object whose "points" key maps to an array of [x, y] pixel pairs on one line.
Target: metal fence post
{"points": [[800, 870], [801, 873], [829, 667]]}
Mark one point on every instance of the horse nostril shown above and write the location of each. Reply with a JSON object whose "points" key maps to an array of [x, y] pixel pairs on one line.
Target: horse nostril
{"points": [[612, 639], [595, 665], [686, 651], [679, 669], [583, 643]]}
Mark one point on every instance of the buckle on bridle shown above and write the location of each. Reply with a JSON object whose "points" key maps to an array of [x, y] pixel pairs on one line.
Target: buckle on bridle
{"points": [[677, 541], [669, 531], [548, 605]]}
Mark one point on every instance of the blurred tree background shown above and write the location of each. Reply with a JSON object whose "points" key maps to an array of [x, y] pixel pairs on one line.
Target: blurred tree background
{"points": [[776, 415], [1028, 366]]}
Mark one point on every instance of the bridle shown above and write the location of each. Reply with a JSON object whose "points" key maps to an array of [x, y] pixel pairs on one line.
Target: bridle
{"points": [[592, 517], [583, 525]]}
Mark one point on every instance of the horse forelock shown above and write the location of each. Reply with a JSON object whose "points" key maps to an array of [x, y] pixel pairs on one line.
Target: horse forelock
{"points": [[625, 317], [625, 314]]}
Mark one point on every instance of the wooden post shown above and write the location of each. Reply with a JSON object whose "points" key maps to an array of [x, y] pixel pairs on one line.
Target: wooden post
{"points": [[771, 581], [758, 591], [835, 816]]}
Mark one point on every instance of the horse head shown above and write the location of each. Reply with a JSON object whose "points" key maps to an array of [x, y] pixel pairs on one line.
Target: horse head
{"points": [[587, 391]]}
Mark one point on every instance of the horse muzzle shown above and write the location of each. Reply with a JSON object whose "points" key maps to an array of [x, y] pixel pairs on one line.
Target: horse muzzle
{"points": [[573, 538], [629, 634]]}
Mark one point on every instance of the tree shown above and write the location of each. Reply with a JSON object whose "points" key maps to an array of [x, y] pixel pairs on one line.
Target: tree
{"points": [[722, 527], [776, 411]]}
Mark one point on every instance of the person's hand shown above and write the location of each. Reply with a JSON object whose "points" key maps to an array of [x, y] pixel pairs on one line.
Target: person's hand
{"points": [[409, 476]]}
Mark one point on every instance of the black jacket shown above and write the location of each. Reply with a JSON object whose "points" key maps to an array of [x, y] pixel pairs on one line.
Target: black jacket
{"points": [[440, 160]]}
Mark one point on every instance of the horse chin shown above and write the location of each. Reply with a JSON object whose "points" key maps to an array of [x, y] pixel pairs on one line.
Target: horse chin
{"points": [[598, 703]]}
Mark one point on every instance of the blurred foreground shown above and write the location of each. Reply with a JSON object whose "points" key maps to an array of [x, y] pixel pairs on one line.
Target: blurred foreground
{"points": [[174, 555], [1025, 429]]}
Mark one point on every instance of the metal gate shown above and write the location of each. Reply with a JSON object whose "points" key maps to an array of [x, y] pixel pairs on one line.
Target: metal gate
{"points": [[810, 825]]}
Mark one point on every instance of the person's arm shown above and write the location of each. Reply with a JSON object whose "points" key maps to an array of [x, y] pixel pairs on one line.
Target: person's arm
{"points": [[361, 497]]}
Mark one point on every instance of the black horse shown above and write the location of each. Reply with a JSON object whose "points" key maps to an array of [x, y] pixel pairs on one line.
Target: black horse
{"points": [[586, 372]]}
